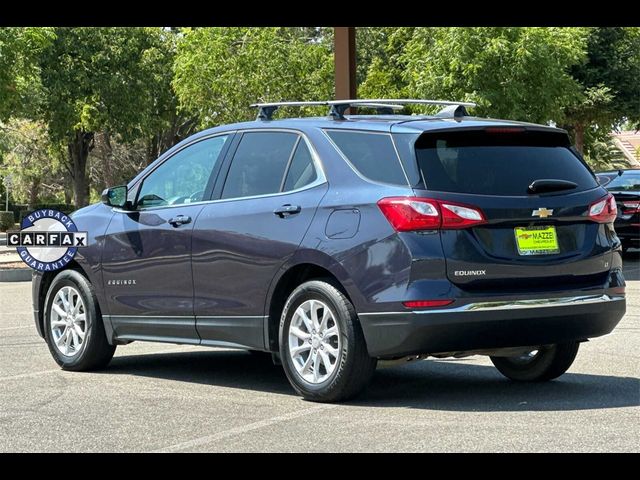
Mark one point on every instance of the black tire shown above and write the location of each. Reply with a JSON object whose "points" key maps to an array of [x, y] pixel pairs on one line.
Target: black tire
{"points": [[355, 367], [550, 362], [95, 352]]}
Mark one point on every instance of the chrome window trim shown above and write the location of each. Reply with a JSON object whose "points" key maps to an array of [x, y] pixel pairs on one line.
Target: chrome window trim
{"points": [[314, 156], [513, 305], [322, 179], [140, 182], [355, 170]]}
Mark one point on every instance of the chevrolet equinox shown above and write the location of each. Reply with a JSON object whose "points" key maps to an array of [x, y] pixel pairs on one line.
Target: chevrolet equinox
{"points": [[334, 242]]}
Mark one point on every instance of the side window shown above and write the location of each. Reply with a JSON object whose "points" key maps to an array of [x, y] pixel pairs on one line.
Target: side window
{"points": [[371, 154], [259, 164], [182, 178], [301, 170]]}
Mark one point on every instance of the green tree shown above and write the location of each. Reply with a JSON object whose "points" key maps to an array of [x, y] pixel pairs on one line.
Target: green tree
{"points": [[220, 71], [609, 80], [517, 73], [19, 50], [29, 158], [99, 79], [166, 125], [601, 152]]}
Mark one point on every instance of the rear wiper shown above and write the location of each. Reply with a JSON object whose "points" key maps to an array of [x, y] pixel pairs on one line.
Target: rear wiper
{"points": [[545, 185]]}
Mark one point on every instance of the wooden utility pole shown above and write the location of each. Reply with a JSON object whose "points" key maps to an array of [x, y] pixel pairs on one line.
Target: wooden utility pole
{"points": [[345, 62]]}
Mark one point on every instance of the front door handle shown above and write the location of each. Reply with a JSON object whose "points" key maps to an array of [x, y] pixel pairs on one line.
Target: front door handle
{"points": [[286, 210], [180, 220]]}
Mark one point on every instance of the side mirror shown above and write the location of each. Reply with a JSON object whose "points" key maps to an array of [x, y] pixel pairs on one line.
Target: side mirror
{"points": [[115, 196]]}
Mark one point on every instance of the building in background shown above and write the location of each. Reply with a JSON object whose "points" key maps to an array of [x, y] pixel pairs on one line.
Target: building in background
{"points": [[629, 143]]}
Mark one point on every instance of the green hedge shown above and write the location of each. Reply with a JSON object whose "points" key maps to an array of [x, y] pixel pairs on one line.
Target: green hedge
{"points": [[6, 221]]}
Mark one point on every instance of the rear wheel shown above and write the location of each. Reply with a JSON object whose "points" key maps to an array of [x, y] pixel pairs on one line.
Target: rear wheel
{"points": [[322, 347], [546, 363], [73, 325]]}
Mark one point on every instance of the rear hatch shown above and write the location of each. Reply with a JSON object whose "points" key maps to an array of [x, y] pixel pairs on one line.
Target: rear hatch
{"points": [[533, 195]]}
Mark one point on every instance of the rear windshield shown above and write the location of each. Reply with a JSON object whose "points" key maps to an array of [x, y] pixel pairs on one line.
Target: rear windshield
{"points": [[627, 181], [501, 163]]}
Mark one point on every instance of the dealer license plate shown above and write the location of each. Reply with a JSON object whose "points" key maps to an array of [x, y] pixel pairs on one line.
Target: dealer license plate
{"points": [[537, 240]]}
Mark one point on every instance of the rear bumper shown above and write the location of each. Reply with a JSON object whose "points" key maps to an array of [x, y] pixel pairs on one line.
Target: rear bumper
{"points": [[485, 325]]}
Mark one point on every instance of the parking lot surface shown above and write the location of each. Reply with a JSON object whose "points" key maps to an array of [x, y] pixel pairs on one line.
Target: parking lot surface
{"points": [[159, 397]]}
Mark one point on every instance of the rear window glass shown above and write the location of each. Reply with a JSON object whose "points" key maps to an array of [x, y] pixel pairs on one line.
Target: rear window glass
{"points": [[372, 154], [626, 181], [485, 163]]}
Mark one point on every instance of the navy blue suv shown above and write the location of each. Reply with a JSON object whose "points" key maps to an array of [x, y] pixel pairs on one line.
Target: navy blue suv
{"points": [[334, 242]]}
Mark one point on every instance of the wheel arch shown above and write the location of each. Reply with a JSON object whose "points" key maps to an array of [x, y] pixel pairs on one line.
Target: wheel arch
{"points": [[45, 284], [292, 275]]}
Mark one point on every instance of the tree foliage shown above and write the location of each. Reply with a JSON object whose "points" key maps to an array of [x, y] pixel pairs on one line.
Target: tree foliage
{"points": [[517, 73], [28, 157], [219, 72], [103, 79], [100, 103], [19, 50]]}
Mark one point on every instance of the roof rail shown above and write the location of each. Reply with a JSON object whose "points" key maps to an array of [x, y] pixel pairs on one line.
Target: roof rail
{"points": [[266, 110], [383, 105]]}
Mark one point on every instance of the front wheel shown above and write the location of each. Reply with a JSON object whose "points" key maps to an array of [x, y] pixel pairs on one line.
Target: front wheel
{"points": [[546, 363], [73, 325], [322, 346]]}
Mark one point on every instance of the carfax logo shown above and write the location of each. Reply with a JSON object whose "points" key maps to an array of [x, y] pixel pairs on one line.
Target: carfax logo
{"points": [[48, 240]]}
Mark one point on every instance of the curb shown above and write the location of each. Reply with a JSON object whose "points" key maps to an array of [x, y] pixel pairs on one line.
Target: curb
{"points": [[15, 275]]}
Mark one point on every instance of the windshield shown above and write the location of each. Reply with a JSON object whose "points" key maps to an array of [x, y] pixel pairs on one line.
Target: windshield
{"points": [[626, 181]]}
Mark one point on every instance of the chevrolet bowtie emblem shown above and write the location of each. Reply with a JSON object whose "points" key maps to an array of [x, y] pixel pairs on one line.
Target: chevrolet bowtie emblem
{"points": [[542, 212]]}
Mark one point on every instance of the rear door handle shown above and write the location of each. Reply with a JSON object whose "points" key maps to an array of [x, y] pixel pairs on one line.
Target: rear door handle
{"points": [[286, 210], [180, 220]]}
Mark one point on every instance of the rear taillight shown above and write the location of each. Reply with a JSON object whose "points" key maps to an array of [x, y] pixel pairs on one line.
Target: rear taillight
{"points": [[413, 213], [629, 208], [604, 211]]}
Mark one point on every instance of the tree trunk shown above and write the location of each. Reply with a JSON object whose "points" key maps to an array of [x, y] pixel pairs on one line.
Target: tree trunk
{"points": [[108, 157], [153, 148], [34, 189], [79, 149], [579, 129]]}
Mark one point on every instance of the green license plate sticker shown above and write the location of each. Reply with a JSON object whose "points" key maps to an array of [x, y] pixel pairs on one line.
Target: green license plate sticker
{"points": [[537, 240]]}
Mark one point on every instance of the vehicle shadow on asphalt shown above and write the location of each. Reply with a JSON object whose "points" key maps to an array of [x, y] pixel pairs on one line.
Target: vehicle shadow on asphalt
{"points": [[430, 384]]}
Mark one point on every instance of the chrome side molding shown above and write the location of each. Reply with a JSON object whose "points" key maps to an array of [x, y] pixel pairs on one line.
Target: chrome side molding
{"points": [[514, 304]]}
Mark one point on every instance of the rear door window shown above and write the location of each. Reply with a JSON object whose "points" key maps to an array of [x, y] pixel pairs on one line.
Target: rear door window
{"points": [[259, 164], [301, 170], [371, 154], [501, 163]]}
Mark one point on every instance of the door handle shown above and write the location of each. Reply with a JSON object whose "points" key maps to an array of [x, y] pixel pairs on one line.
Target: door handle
{"points": [[180, 220], [286, 210]]}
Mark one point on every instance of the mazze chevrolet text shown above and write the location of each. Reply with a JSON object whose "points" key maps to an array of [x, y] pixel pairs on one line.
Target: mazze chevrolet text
{"points": [[334, 242]]}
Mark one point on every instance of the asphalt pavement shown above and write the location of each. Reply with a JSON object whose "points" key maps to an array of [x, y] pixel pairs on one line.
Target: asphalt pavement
{"points": [[160, 397]]}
